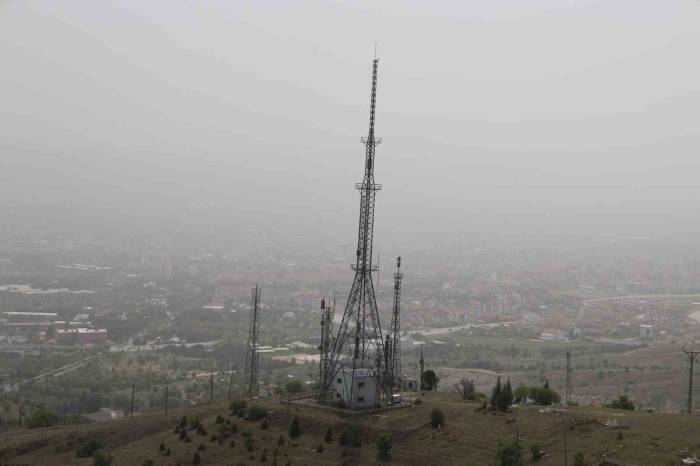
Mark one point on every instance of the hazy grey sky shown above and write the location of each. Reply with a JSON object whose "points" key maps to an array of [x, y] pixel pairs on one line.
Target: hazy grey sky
{"points": [[496, 115]]}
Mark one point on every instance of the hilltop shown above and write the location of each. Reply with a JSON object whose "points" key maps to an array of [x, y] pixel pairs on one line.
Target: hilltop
{"points": [[468, 437]]}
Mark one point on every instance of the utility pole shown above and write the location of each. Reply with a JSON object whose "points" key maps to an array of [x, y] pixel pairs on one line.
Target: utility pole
{"points": [[420, 382], [566, 455], [211, 388], [691, 356], [166, 400], [230, 382], [568, 379], [133, 392]]}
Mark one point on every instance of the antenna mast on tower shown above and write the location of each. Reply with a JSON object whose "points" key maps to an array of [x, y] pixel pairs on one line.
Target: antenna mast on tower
{"points": [[395, 329]]}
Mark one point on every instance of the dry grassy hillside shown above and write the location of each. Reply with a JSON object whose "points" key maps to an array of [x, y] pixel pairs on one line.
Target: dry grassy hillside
{"points": [[468, 437]]}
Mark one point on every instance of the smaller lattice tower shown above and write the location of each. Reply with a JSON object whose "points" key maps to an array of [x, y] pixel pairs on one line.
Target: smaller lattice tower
{"points": [[568, 389], [325, 347], [251, 373], [394, 364], [691, 355]]}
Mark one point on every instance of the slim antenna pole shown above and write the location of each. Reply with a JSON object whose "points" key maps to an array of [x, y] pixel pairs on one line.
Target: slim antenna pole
{"points": [[691, 356], [133, 391]]}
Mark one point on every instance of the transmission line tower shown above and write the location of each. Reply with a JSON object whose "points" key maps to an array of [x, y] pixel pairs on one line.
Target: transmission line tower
{"points": [[394, 363], [357, 357], [568, 379], [691, 356], [251, 373]]}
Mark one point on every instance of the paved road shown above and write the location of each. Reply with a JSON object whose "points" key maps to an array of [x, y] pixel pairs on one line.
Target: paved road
{"points": [[56, 372]]}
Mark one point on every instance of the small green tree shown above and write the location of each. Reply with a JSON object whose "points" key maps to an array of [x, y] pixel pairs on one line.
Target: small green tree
{"points": [[329, 435], [294, 386], [294, 428], [344, 438], [536, 452], [496, 394], [507, 394], [509, 454], [437, 418], [430, 380], [148, 463], [265, 425], [196, 459], [579, 460], [465, 387], [384, 447]]}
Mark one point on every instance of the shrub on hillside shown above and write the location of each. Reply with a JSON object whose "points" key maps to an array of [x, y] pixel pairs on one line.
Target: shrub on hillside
{"points": [[256, 413], [329, 436], [101, 458], [238, 408], [509, 454], [42, 418], [437, 418], [86, 450], [579, 460], [622, 402], [536, 452], [384, 447], [294, 428]]}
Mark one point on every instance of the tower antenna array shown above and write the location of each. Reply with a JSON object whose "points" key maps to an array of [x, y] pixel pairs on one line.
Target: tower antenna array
{"points": [[394, 362], [251, 374], [358, 350]]}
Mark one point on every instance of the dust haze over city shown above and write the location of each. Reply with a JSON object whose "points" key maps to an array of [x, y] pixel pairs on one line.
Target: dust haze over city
{"points": [[538, 163]]}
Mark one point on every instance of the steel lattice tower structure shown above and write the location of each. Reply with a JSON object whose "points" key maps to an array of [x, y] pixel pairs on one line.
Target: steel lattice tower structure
{"points": [[394, 363], [359, 344], [251, 373], [326, 340], [568, 379]]}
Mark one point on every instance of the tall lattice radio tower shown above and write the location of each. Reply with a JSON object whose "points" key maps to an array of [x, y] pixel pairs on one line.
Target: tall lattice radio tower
{"points": [[357, 359]]}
